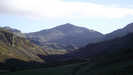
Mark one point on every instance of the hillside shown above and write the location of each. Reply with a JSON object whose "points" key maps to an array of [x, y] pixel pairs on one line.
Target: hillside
{"points": [[12, 46]]}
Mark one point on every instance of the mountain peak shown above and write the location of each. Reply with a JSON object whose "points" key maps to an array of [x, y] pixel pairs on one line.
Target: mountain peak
{"points": [[71, 27], [67, 25]]}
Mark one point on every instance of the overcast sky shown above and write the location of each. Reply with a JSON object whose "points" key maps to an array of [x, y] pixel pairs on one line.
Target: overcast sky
{"points": [[33, 15]]}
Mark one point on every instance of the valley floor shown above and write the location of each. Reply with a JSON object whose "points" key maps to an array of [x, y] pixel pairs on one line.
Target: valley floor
{"points": [[119, 68]]}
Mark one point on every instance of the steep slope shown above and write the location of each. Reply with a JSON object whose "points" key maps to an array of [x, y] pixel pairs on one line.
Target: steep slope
{"points": [[14, 47], [64, 37]]}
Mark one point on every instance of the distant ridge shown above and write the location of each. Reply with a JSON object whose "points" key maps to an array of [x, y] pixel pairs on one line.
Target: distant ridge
{"points": [[120, 32]]}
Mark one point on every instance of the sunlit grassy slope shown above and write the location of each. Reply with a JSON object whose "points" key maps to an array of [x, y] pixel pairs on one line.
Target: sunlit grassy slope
{"points": [[12, 46]]}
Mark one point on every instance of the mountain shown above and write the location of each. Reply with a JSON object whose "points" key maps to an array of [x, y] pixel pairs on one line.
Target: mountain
{"points": [[64, 37], [15, 47]]}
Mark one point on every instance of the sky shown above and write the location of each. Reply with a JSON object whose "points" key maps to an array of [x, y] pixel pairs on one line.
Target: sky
{"points": [[104, 16]]}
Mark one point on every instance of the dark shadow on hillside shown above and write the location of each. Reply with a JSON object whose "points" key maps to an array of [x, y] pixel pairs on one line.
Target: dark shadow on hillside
{"points": [[12, 65], [57, 60]]}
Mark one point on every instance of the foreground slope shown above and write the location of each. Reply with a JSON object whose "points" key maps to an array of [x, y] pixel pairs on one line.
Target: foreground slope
{"points": [[12, 46]]}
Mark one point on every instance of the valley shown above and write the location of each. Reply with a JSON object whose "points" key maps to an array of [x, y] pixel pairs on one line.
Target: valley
{"points": [[55, 52]]}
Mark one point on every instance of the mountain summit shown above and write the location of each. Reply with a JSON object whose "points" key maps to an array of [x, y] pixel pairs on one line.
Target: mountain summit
{"points": [[70, 28]]}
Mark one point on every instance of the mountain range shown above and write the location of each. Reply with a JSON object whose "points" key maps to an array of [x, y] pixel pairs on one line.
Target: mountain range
{"points": [[69, 37], [67, 44]]}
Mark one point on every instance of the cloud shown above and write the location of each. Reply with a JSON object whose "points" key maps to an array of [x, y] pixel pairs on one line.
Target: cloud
{"points": [[61, 9]]}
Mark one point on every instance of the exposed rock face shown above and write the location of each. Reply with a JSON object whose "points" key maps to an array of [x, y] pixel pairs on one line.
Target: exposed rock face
{"points": [[15, 31], [9, 38]]}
